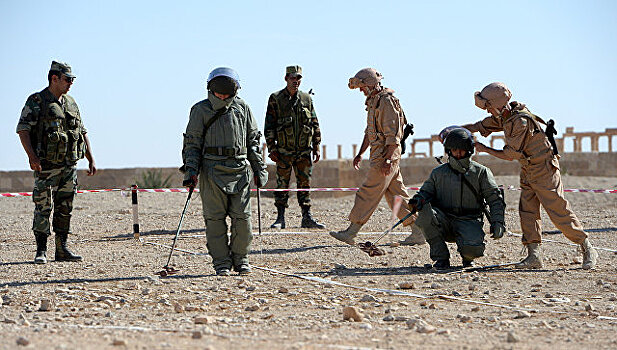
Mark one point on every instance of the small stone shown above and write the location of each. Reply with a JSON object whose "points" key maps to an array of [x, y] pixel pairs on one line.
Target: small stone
{"points": [[407, 285], [368, 298], [426, 328], [388, 318], [589, 307], [475, 309], [119, 342], [463, 318], [456, 294], [522, 314], [178, 308], [444, 332], [283, 290], [146, 291], [435, 285], [340, 267], [197, 335], [22, 341], [395, 244], [202, 319], [432, 307], [511, 338], [46, 305], [366, 326], [351, 313], [254, 307], [190, 308]]}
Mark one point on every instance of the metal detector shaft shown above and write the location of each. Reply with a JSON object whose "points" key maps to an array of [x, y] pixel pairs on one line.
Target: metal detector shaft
{"points": [[259, 210], [186, 205], [395, 226]]}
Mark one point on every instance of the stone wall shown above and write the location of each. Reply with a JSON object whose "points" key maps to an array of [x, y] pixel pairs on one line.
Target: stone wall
{"points": [[327, 173]]}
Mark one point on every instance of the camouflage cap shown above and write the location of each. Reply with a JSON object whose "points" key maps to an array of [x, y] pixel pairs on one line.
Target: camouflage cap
{"points": [[63, 68], [293, 71]]}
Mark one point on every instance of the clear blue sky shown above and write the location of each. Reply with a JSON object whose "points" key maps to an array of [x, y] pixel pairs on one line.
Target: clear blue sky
{"points": [[141, 65]]}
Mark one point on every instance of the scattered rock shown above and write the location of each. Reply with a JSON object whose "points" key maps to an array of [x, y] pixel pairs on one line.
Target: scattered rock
{"points": [[197, 335], [119, 342], [202, 319], [522, 314], [464, 318], [456, 294], [368, 298], [589, 307], [46, 305], [511, 338], [475, 309], [340, 267], [253, 307], [283, 290], [407, 285], [351, 313], [388, 318], [366, 326], [21, 341], [444, 332], [178, 308], [426, 328], [435, 285]]}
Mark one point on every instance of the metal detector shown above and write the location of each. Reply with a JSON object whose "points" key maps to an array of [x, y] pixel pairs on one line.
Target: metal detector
{"points": [[371, 248], [169, 270]]}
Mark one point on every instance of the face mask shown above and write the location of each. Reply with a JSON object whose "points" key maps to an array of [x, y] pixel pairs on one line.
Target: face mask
{"points": [[460, 165], [218, 103]]}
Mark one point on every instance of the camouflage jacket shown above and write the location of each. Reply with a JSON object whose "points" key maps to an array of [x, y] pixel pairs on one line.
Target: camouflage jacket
{"points": [[291, 124], [233, 136], [445, 190], [55, 127]]}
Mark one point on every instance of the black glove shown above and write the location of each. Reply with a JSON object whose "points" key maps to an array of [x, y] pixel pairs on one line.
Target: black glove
{"points": [[497, 230], [416, 204], [190, 178]]}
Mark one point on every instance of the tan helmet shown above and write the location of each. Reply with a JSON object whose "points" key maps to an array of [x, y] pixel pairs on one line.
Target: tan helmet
{"points": [[495, 94], [365, 77]]}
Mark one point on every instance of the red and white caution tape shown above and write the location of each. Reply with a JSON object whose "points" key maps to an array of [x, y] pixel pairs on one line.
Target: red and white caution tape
{"points": [[322, 189]]}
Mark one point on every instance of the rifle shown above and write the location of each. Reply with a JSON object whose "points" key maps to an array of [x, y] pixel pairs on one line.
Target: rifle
{"points": [[407, 131], [550, 134]]}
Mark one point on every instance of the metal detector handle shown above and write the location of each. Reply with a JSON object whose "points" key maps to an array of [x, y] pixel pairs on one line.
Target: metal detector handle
{"points": [[173, 246], [413, 211]]}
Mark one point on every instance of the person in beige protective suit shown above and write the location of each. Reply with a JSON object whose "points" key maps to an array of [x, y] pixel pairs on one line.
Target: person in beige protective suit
{"points": [[540, 179], [383, 133]]}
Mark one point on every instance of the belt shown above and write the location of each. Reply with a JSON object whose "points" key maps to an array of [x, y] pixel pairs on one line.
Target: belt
{"points": [[223, 151]]}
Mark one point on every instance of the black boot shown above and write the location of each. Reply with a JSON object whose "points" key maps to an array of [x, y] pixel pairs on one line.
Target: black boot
{"points": [[308, 221], [467, 263], [442, 264], [280, 218], [41, 249], [62, 252]]}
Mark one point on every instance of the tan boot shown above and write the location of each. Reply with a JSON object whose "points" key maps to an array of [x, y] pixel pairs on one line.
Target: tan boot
{"points": [[415, 238], [533, 259], [590, 255], [347, 235]]}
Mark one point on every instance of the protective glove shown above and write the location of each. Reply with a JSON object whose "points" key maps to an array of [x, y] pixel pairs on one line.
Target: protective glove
{"points": [[190, 178], [416, 204], [274, 155], [497, 230]]}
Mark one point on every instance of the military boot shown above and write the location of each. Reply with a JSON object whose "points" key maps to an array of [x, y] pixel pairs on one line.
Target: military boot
{"points": [[347, 235], [41, 249], [308, 221], [62, 251], [590, 255], [415, 238], [533, 259], [241, 264], [280, 218]]}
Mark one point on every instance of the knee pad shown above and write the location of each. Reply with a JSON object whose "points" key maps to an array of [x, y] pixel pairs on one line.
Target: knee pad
{"points": [[471, 251]]}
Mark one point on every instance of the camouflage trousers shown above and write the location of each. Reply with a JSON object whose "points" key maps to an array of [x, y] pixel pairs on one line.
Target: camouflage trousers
{"points": [[303, 167], [53, 189]]}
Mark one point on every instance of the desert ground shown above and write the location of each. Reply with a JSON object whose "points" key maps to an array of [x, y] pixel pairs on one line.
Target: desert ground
{"points": [[301, 283]]}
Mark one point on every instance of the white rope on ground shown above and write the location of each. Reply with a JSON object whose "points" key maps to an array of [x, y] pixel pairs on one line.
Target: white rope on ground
{"points": [[380, 290], [565, 243]]}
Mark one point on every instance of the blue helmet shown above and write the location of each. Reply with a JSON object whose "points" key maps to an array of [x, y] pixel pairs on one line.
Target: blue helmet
{"points": [[224, 72]]}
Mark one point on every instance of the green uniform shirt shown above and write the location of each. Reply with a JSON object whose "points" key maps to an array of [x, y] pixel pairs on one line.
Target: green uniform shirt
{"points": [[291, 125]]}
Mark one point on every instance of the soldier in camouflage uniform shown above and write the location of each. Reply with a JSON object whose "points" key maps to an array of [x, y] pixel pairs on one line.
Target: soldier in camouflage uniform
{"points": [[293, 137], [54, 138], [222, 143]]}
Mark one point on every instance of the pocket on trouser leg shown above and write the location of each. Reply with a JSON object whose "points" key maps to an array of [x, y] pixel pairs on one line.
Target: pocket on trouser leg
{"points": [[241, 236]]}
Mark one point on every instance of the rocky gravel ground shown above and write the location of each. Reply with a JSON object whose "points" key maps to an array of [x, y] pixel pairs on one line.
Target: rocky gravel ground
{"points": [[318, 293]]}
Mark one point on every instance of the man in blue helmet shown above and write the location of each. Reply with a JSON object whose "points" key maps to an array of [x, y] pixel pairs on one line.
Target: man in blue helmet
{"points": [[451, 203], [221, 143]]}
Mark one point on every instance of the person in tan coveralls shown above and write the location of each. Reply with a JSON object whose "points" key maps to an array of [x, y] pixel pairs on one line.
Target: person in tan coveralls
{"points": [[540, 179], [383, 133]]}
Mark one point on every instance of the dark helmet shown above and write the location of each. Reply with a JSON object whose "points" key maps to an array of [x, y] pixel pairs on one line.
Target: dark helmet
{"points": [[224, 80], [459, 138]]}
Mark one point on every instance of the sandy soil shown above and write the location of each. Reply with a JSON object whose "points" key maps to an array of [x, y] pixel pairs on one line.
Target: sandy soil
{"points": [[113, 299]]}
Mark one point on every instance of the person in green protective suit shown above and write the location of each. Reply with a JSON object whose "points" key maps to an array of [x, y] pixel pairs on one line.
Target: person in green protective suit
{"points": [[451, 203], [221, 143]]}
